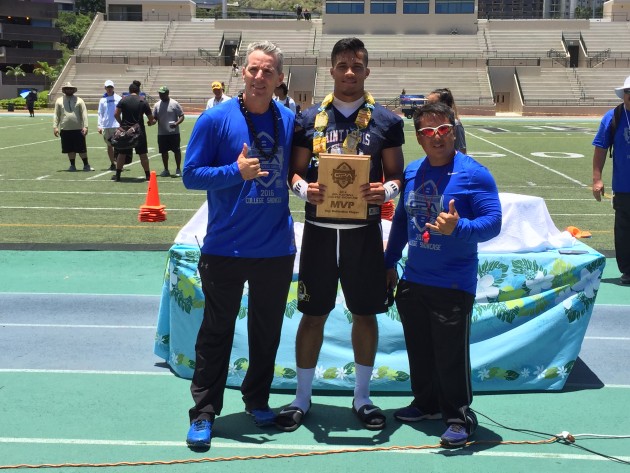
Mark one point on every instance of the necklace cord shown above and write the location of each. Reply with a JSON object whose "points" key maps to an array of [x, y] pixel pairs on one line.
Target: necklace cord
{"points": [[254, 134]]}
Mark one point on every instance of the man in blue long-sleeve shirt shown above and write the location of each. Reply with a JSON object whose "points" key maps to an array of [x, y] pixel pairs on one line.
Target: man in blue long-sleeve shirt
{"points": [[239, 154], [449, 204]]}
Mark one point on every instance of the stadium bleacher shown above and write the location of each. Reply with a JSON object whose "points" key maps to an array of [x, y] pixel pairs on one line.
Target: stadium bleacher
{"points": [[528, 60]]}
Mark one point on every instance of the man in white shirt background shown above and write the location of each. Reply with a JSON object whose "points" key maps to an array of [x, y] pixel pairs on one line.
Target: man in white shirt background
{"points": [[107, 123], [281, 96], [219, 96]]}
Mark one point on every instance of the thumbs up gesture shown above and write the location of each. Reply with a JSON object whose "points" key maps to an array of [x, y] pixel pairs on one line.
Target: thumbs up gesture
{"points": [[446, 222], [249, 167]]}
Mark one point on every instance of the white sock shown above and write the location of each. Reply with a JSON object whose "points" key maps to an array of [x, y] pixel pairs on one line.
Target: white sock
{"points": [[362, 385], [304, 388]]}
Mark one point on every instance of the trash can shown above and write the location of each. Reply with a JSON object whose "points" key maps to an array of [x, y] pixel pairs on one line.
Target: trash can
{"points": [[10, 107]]}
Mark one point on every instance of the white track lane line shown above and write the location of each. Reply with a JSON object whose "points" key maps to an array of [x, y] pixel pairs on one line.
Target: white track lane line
{"points": [[297, 447]]}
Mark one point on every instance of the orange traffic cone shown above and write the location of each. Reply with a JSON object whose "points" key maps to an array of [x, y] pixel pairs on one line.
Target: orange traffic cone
{"points": [[152, 210]]}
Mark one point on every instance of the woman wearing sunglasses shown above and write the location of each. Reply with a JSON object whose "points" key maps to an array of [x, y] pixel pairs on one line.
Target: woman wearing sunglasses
{"points": [[446, 96], [449, 203]]}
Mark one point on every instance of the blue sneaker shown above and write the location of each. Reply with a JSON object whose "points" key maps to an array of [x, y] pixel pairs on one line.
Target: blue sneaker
{"points": [[262, 417], [413, 414], [199, 434], [455, 436]]}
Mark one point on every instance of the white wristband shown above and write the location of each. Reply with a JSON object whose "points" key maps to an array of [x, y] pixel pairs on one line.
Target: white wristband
{"points": [[300, 188], [391, 190]]}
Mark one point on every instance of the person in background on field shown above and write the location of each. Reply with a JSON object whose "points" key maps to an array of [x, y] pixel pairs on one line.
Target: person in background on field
{"points": [[448, 204], [620, 143], [446, 96], [219, 95], [169, 115], [107, 124], [31, 98], [350, 252], [281, 96], [234, 69], [129, 111], [70, 121], [239, 154]]}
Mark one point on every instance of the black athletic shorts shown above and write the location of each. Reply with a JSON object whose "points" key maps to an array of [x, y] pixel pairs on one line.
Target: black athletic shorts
{"points": [[72, 141], [168, 143], [354, 258]]}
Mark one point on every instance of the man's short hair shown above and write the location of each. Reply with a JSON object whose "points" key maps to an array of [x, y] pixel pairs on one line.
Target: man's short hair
{"points": [[284, 88], [266, 47], [134, 88], [437, 108], [349, 44]]}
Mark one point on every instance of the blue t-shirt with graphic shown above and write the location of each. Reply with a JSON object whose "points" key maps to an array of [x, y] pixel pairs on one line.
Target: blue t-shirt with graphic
{"points": [[448, 261], [249, 219], [621, 148]]}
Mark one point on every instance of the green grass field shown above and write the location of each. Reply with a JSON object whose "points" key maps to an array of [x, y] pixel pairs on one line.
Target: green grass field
{"points": [[40, 202]]}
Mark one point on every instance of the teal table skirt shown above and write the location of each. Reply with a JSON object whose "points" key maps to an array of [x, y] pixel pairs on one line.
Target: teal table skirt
{"points": [[528, 323]]}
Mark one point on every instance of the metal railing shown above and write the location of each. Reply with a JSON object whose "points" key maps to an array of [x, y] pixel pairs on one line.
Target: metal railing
{"points": [[558, 56]]}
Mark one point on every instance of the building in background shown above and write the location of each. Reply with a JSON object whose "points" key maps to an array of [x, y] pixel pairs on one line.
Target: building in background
{"points": [[65, 5], [399, 17], [27, 35], [536, 9], [150, 10]]}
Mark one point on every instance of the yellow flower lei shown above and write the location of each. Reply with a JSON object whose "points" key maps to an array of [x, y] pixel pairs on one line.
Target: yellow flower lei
{"points": [[321, 123]]}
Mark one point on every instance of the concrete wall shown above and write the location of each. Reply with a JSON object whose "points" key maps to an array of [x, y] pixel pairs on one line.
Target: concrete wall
{"points": [[302, 83], [175, 11], [236, 24], [617, 10], [504, 88], [542, 25]]}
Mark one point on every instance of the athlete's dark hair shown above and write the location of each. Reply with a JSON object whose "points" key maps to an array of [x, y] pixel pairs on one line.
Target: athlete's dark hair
{"points": [[348, 44]]}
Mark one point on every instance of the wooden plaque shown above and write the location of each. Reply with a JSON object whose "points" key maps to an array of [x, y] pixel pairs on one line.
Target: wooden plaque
{"points": [[343, 175]]}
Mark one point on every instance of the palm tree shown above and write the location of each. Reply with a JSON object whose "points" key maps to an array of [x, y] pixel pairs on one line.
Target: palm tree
{"points": [[47, 71], [16, 72]]}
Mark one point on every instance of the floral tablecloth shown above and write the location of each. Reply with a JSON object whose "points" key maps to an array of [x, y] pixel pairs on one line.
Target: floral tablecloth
{"points": [[530, 316]]}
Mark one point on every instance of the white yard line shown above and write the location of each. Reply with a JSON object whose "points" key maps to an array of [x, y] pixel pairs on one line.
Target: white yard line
{"points": [[569, 178]]}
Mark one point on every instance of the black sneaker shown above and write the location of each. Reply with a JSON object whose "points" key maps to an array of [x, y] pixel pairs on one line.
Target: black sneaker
{"points": [[412, 414], [112, 167], [625, 278]]}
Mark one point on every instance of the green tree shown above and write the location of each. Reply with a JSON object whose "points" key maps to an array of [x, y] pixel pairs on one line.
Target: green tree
{"points": [[16, 72], [73, 27], [48, 72], [587, 12]]}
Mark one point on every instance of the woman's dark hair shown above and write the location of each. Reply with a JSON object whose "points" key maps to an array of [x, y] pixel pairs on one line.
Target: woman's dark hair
{"points": [[446, 96]]}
